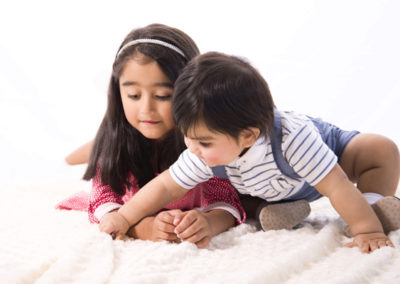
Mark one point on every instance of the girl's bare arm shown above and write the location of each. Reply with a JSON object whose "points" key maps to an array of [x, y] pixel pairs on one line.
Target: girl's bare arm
{"points": [[80, 155], [199, 227]]}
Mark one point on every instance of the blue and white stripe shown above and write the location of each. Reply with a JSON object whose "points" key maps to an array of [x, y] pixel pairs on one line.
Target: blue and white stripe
{"points": [[256, 172]]}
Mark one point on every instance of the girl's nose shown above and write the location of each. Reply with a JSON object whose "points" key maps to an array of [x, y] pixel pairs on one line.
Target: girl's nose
{"points": [[147, 104]]}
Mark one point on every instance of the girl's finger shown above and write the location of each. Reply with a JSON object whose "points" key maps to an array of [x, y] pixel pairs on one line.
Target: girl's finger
{"points": [[203, 242], [193, 233], [178, 216], [193, 237], [184, 223]]}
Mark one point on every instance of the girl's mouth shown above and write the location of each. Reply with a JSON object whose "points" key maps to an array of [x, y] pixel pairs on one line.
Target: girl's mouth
{"points": [[150, 122]]}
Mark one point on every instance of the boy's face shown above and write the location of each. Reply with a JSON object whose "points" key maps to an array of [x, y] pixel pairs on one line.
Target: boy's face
{"points": [[215, 148]]}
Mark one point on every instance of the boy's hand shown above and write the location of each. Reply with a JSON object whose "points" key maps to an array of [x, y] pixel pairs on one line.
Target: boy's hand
{"points": [[114, 224], [370, 242], [193, 226], [163, 226]]}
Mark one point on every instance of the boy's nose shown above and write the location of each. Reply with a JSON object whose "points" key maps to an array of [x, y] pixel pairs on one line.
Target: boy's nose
{"points": [[191, 146]]}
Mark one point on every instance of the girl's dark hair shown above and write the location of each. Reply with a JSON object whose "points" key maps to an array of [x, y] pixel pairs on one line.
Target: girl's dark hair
{"points": [[225, 92], [119, 148]]}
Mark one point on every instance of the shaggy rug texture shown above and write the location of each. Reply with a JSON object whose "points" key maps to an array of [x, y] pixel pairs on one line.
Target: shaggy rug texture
{"points": [[40, 244]]}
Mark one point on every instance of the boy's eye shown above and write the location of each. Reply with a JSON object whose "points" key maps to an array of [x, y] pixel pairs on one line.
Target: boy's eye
{"points": [[205, 144], [164, 97], [134, 97]]}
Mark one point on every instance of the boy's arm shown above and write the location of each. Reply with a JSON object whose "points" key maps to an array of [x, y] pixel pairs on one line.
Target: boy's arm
{"points": [[152, 197], [349, 202], [80, 155], [352, 207]]}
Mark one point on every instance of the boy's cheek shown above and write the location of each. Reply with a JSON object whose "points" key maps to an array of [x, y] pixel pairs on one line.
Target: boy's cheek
{"points": [[212, 161]]}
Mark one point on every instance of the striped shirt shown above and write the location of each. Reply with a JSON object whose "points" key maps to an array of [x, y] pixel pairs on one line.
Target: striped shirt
{"points": [[256, 172]]}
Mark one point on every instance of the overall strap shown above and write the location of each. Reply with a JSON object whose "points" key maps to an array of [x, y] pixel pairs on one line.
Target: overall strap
{"points": [[276, 144], [219, 171]]}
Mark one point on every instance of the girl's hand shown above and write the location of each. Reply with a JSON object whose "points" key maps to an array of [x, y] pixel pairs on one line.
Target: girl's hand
{"points": [[114, 224], [163, 226], [193, 226], [370, 242]]}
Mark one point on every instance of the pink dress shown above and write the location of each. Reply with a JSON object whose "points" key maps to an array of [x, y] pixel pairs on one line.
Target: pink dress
{"points": [[216, 193]]}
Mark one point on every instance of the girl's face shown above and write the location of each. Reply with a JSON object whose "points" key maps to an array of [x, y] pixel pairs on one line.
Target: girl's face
{"points": [[215, 148], [146, 95]]}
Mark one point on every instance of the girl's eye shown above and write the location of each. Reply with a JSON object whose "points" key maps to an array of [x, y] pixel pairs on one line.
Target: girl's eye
{"points": [[164, 98], [134, 97], [204, 144]]}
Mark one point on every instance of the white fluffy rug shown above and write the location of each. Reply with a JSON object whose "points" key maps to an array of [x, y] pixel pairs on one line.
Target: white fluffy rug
{"points": [[42, 245]]}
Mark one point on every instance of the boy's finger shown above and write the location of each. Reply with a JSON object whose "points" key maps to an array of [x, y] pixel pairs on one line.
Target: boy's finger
{"points": [[168, 237], [166, 217], [373, 245], [382, 243], [119, 236], [350, 245], [166, 227], [365, 248], [169, 216], [105, 228], [175, 212]]}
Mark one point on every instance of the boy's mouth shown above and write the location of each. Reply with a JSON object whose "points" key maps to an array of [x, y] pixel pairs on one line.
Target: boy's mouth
{"points": [[208, 163]]}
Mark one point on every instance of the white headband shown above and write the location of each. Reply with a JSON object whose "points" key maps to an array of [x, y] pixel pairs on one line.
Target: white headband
{"points": [[154, 41]]}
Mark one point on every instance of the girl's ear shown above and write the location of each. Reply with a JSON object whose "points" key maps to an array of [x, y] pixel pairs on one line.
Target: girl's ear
{"points": [[249, 136]]}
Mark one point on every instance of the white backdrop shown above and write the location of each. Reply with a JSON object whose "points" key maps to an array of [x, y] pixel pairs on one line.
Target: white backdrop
{"points": [[335, 59]]}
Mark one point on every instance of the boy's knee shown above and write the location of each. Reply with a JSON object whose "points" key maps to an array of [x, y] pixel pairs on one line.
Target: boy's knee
{"points": [[380, 148], [388, 158], [367, 151], [389, 151]]}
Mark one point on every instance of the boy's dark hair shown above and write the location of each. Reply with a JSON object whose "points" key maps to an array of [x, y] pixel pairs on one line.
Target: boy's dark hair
{"points": [[119, 148], [225, 92]]}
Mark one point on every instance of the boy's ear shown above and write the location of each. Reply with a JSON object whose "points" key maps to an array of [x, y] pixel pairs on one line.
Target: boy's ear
{"points": [[249, 136]]}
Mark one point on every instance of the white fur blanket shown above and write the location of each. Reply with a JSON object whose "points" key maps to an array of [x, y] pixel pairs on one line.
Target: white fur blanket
{"points": [[42, 245]]}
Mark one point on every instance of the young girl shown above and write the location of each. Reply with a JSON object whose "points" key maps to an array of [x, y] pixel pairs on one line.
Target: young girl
{"points": [[137, 139], [225, 110]]}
